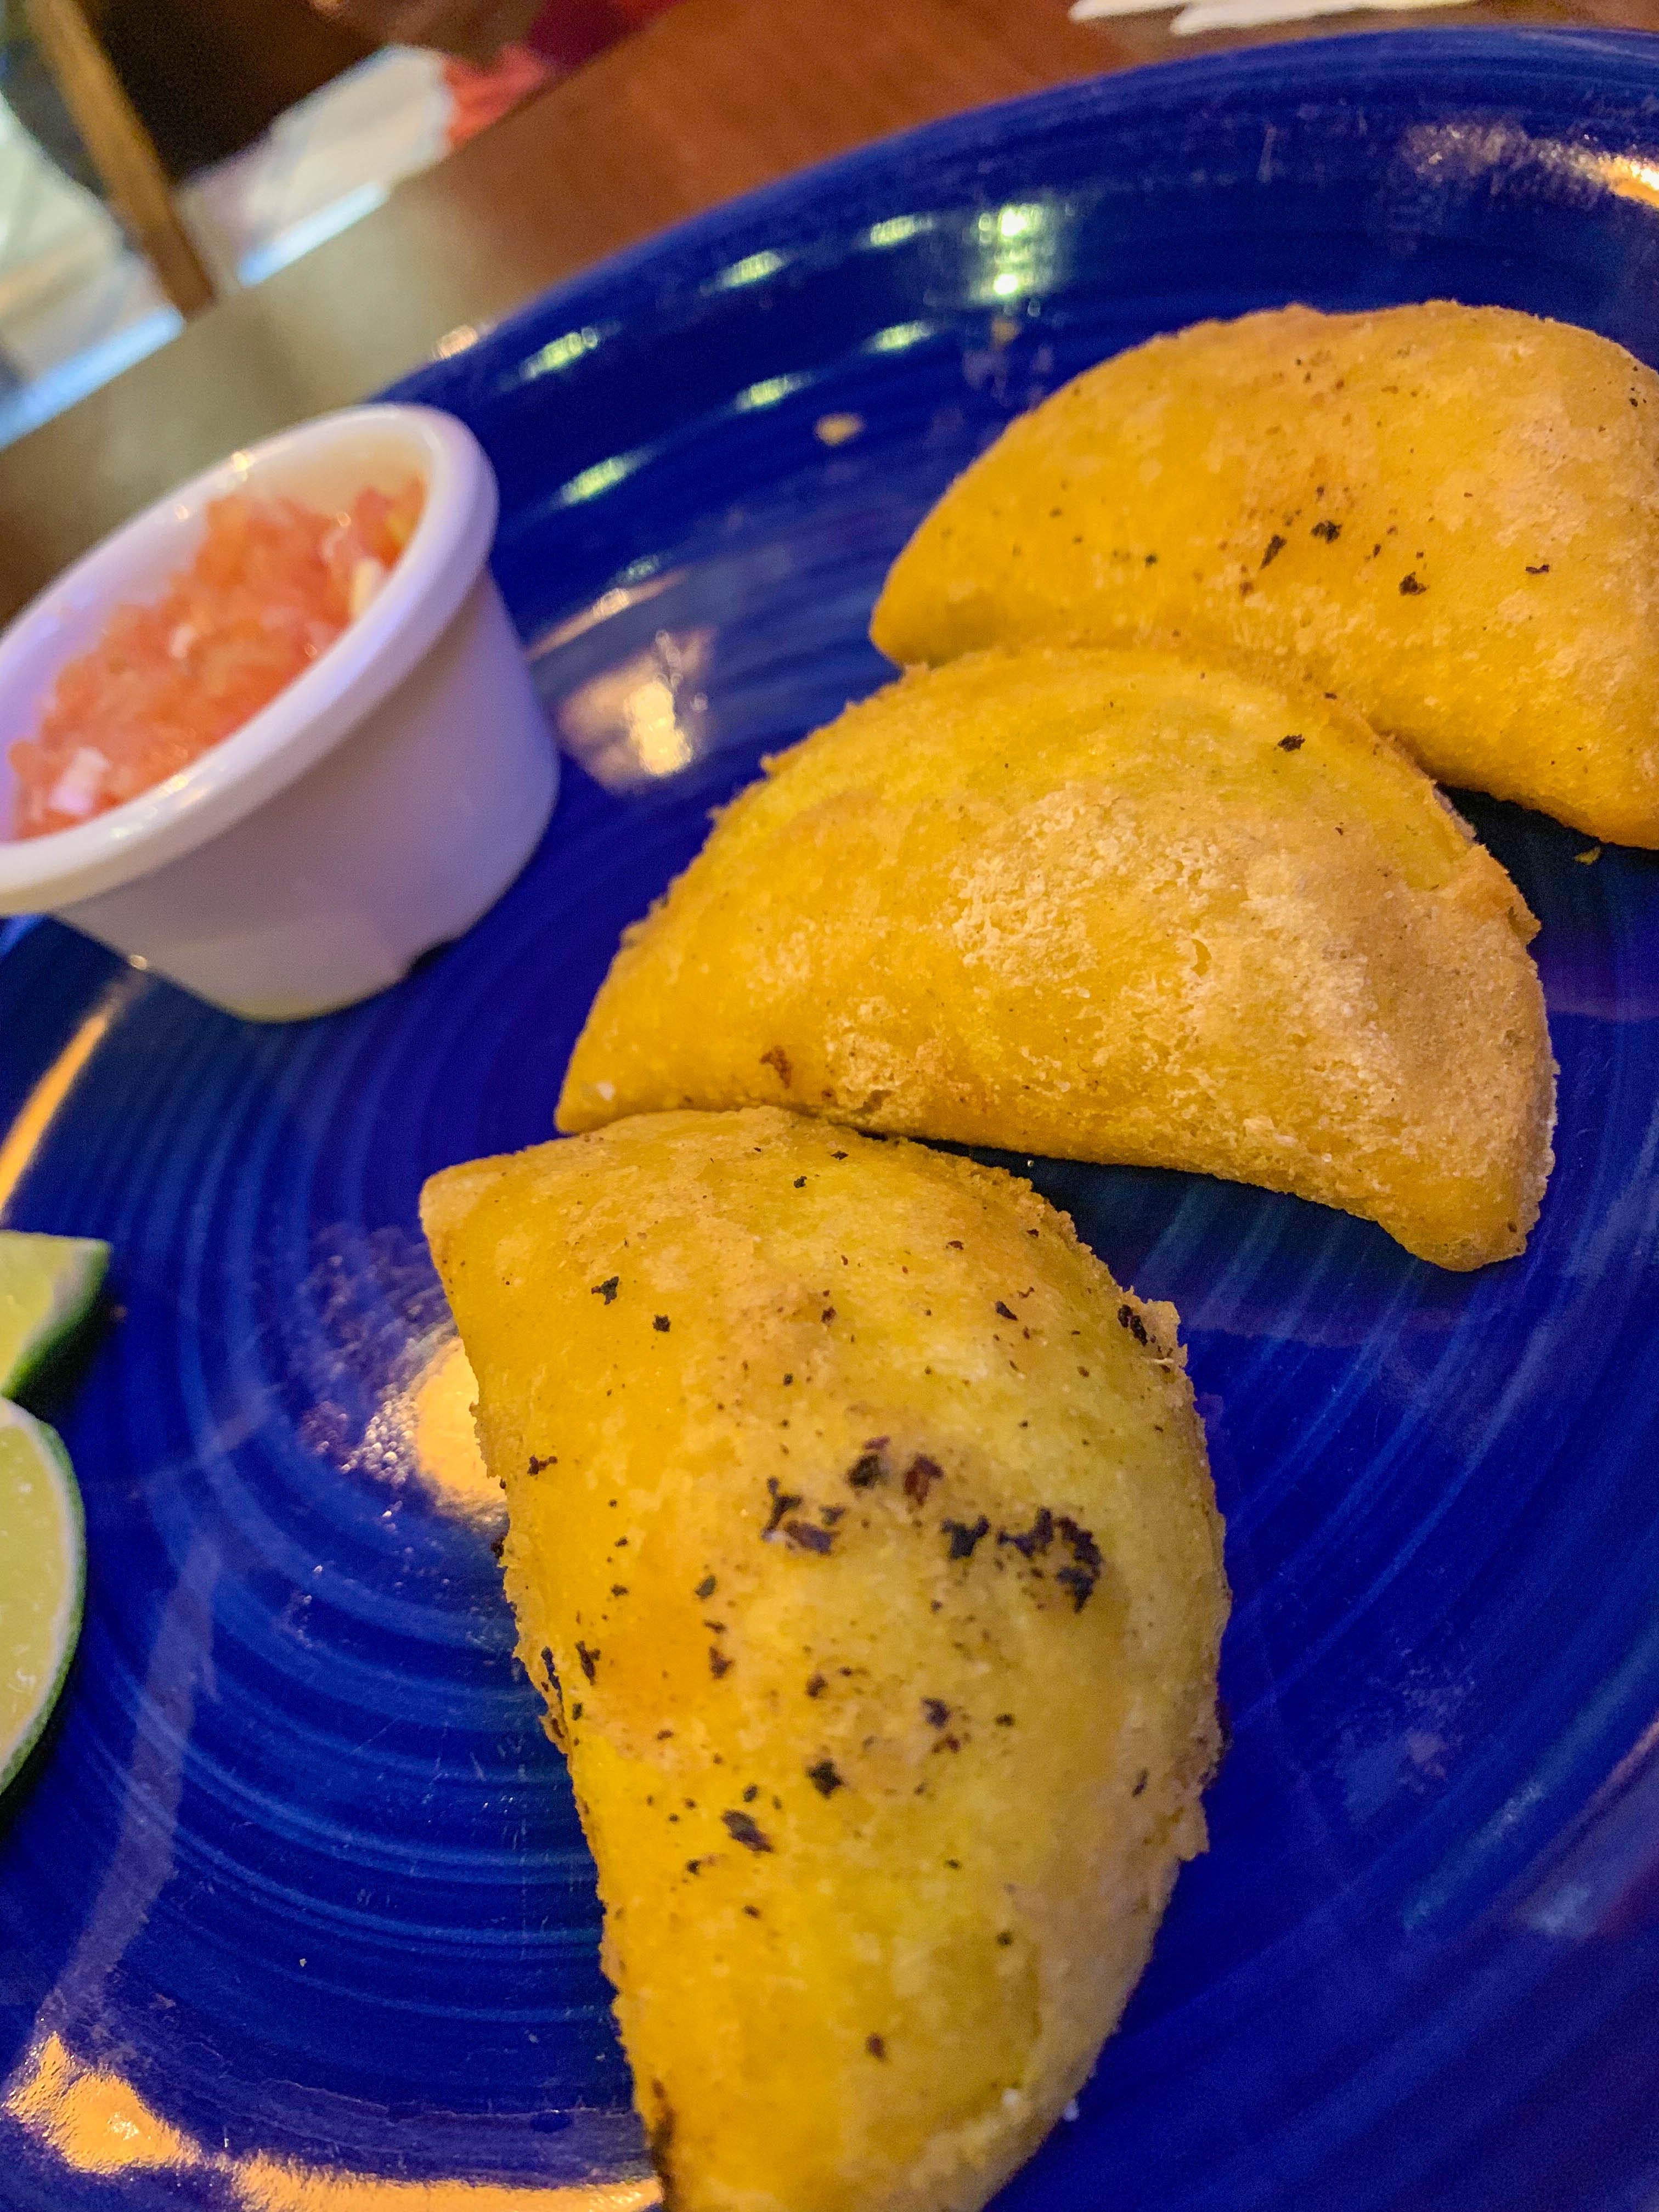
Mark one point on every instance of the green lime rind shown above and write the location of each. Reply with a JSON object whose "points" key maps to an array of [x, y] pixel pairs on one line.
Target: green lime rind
{"points": [[43, 1577], [48, 1285]]}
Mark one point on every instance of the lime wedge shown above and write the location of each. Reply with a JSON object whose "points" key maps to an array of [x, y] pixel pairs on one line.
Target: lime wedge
{"points": [[47, 1287], [42, 1576]]}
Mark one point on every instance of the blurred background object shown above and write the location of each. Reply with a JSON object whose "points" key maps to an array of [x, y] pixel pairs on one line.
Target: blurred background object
{"points": [[153, 159], [119, 147]]}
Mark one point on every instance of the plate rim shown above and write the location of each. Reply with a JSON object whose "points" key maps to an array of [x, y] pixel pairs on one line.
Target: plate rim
{"points": [[1335, 62]]}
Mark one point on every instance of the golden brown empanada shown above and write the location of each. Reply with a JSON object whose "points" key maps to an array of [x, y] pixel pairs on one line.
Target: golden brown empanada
{"points": [[863, 1544], [1111, 906], [1449, 515]]}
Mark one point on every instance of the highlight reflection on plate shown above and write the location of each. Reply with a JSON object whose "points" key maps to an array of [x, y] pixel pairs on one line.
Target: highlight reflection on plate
{"points": [[294, 1905]]}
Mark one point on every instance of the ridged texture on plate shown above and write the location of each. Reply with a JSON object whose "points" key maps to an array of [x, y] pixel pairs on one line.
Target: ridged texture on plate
{"points": [[1110, 906], [863, 1543], [1447, 513], [1417, 1971]]}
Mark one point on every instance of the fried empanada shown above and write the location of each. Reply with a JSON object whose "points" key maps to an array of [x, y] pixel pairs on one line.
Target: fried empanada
{"points": [[863, 1545], [1449, 515], [1110, 906]]}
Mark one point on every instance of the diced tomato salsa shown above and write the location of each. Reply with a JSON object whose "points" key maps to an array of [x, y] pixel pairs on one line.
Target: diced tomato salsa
{"points": [[272, 585]]}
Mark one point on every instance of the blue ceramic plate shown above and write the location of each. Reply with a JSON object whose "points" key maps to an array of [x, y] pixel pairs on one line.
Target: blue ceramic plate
{"points": [[295, 1891]]}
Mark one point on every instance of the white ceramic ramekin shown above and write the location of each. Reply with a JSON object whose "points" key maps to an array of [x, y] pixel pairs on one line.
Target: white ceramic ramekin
{"points": [[374, 809]]}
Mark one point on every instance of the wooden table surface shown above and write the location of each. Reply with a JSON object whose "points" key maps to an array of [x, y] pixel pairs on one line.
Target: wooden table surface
{"points": [[712, 99]]}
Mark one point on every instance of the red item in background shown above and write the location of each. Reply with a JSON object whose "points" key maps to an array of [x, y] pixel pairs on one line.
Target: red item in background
{"points": [[564, 35], [479, 97], [572, 31]]}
